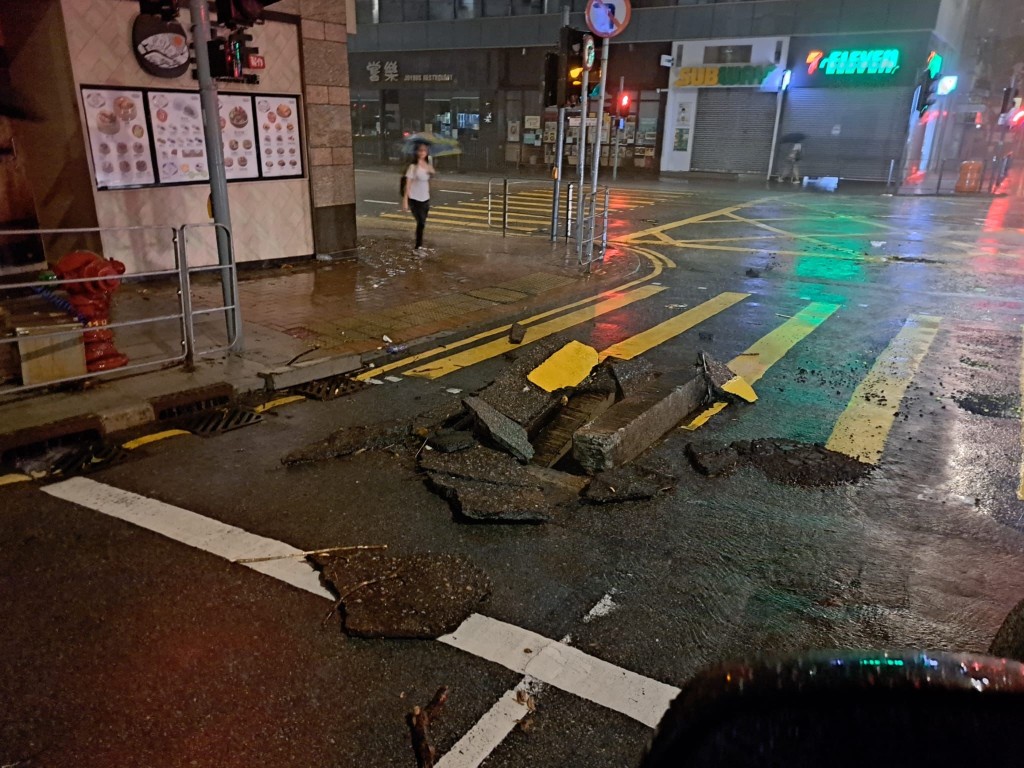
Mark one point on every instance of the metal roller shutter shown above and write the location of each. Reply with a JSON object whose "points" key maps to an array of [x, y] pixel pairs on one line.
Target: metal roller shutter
{"points": [[733, 130], [872, 130]]}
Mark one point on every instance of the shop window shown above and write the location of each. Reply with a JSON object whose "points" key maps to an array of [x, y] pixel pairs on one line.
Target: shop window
{"points": [[464, 9], [414, 10], [442, 10], [495, 7], [728, 54], [365, 117], [466, 114], [437, 115]]}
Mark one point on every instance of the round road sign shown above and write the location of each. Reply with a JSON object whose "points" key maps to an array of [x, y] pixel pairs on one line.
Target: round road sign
{"points": [[588, 52], [607, 18]]}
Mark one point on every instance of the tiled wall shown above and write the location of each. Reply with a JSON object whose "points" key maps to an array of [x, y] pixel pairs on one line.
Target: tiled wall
{"points": [[270, 219]]}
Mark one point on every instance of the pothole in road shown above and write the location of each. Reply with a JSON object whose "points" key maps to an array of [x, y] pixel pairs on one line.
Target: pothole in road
{"points": [[784, 461], [993, 406]]}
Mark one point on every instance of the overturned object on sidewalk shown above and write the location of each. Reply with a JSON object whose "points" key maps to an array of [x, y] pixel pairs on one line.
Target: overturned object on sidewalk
{"points": [[403, 596], [726, 383]]}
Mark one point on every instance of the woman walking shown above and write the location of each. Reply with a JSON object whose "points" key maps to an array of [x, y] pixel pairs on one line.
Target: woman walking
{"points": [[417, 192]]}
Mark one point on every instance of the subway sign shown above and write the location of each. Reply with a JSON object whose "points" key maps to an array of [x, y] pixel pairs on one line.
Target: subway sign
{"points": [[842, 61], [715, 75]]}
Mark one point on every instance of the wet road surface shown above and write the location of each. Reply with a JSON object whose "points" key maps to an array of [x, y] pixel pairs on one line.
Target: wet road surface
{"points": [[123, 646]]}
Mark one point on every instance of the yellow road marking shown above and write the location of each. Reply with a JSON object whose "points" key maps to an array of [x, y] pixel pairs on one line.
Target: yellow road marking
{"points": [[13, 478], [805, 238], [769, 349], [567, 367], [445, 365], [138, 442], [278, 402], [864, 426], [1020, 485], [660, 230], [659, 334], [658, 269]]}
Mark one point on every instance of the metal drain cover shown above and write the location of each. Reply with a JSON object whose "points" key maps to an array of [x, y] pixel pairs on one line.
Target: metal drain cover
{"points": [[222, 420], [330, 388]]}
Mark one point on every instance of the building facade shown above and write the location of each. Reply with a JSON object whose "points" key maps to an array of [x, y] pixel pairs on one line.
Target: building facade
{"points": [[713, 85]]}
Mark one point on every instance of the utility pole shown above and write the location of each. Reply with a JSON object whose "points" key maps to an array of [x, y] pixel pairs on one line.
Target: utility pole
{"points": [[200, 13], [597, 150], [560, 151], [618, 133], [581, 162]]}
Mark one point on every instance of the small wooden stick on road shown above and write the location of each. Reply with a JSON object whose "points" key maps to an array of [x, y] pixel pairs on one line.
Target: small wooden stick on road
{"points": [[419, 726]]}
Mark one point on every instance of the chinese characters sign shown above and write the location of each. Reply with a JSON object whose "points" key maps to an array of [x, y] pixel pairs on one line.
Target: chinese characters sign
{"points": [[881, 61], [383, 72]]}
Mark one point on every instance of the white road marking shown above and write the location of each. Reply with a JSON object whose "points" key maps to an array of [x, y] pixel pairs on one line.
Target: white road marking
{"points": [[604, 607], [541, 659], [197, 531], [381, 202], [456, 192]]}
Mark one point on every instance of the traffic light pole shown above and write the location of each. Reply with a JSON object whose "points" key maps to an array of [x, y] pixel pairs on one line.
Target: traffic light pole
{"points": [[556, 196], [595, 168], [200, 13], [618, 133]]}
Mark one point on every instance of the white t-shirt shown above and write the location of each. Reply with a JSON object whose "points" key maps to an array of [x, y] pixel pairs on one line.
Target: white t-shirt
{"points": [[419, 183]]}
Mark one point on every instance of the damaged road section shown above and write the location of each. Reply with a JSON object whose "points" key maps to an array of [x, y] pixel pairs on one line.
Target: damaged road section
{"points": [[784, 461], [402, 596]]}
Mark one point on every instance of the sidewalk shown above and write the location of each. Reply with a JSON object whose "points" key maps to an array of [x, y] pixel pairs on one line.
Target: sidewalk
{"points": [[323, 310]]}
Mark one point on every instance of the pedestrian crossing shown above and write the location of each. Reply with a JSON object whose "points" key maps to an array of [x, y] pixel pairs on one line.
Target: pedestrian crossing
{"points": [[529, 210]]}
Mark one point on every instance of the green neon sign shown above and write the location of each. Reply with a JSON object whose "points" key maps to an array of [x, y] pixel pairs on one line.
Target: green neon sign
{"points": [[934, 65], [880, 61]]}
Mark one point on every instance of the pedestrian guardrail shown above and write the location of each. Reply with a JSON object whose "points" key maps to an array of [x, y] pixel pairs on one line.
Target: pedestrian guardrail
{"points": [[506, 186], [104, 318]]}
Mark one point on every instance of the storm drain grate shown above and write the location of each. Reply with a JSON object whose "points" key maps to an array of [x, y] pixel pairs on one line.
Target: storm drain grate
{"points": [[67, 460], [222, 420], [330, 388]]}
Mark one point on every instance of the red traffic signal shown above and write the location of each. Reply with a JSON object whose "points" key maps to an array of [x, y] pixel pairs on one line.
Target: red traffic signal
{"points": [[622, 107]]}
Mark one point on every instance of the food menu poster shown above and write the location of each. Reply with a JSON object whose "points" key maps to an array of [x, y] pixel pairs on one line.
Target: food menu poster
{"points": [[277, 120], [177, 121], [119, 138], [241, 155], [155, 137]]}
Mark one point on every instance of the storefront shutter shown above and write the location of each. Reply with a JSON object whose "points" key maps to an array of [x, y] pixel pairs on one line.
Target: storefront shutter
{"points": [[733, 130], [872, 130]]}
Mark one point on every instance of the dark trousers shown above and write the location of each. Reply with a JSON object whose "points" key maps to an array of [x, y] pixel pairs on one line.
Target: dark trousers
{"points": [[420, 209]]}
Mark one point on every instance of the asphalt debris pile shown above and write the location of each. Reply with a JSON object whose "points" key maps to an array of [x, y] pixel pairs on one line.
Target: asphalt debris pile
{"points": [[784, 461], [420, 595], [993, 406]]}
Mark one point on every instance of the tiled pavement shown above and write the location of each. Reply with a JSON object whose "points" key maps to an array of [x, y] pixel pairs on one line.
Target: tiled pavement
{"points": [[348, 307]]}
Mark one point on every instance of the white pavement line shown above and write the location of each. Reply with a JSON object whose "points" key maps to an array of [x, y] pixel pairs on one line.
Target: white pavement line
{"points": [[564, 667], [381, 202], [456, 192], [491, 729], [197, 531], [604, 607]]}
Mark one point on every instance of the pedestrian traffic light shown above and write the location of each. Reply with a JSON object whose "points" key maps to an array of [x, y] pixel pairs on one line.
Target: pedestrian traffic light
{"points": [[228, 56], [1009, 96], [563, 72], [241, 13], [622, 105], [927, 83]]}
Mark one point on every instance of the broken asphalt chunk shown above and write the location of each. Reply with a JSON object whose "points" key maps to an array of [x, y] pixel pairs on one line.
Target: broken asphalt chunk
{"points": [[623, 484], [450, 440], [404, 596], [513, 395], [516, 333], [784, 461], [631, 376], [500, 429], [713, 462], [726, 383], [487, 502], [349, 440], [566, 367]]}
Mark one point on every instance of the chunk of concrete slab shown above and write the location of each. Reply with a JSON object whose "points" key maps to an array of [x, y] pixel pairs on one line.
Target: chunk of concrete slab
{"points": [[554, 442], [567, 367], [631, 376], [406, 596], [513, 395], [500, 429], [478, 463], [633, 425], [309, 370], [516, 333]]}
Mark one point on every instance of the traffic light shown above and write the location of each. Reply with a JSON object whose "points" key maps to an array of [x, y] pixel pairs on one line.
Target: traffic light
{"points": [[1009, 96], [241, 13], [228, 56], [563, 72], [622, 105], [926, 91]]}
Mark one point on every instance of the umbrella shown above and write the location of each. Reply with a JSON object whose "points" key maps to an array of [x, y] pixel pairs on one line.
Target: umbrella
{"points": [[793, 138], [437, 145]]}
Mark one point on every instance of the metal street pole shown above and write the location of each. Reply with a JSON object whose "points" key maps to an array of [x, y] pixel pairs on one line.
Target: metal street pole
{"points": [[200, 13], [560, 150], [581, 162], [618, 133], [597, 150]]}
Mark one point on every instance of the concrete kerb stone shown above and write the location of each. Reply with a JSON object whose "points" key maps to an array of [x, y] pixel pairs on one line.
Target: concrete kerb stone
{"points": [[310, 370], [634, 424]]}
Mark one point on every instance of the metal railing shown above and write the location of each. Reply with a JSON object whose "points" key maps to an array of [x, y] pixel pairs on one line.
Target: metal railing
{"points": [[506, 184], [152, 309], [586, 220]]}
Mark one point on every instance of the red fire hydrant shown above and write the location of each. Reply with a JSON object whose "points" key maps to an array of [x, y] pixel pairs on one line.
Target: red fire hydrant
{"points": [[91, 301]]}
